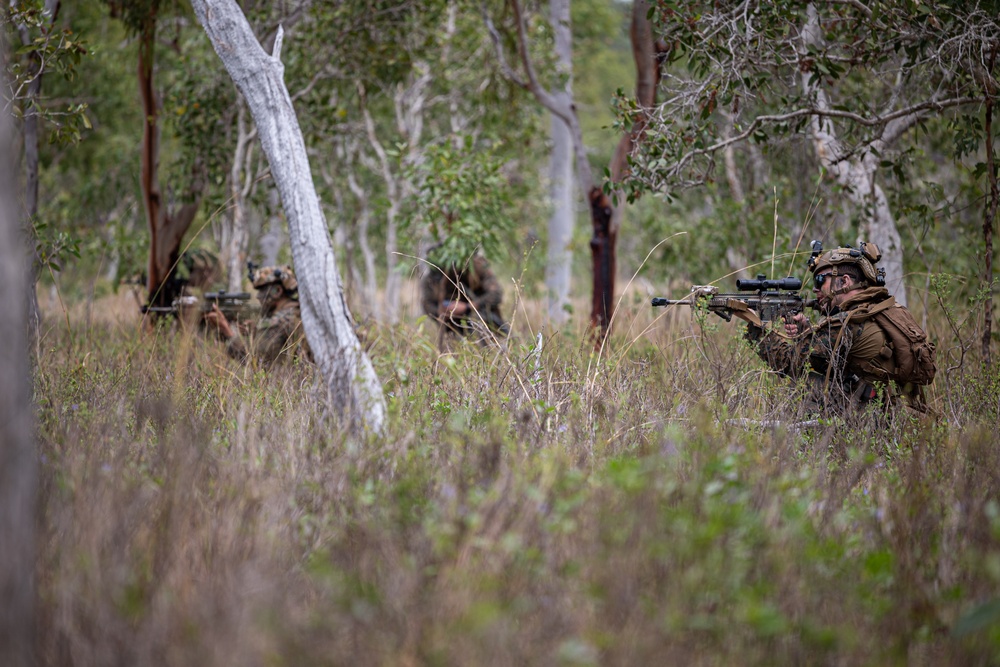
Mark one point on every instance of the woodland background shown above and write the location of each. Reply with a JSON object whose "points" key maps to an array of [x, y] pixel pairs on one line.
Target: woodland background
{"points": [[545, 501]]}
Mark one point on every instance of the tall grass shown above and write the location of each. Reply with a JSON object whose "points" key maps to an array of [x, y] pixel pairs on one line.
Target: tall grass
{"points": [[537, 505]]}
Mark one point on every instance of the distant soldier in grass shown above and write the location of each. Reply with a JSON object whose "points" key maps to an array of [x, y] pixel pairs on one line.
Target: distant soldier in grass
{"points": [[198, 270], [866, 350], [465, 202], [278, 334], [458, 295]]}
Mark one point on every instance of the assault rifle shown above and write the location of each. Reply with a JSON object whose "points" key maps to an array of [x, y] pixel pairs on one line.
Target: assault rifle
{"points": [[490, 317], [769, 299], [234, 305]]}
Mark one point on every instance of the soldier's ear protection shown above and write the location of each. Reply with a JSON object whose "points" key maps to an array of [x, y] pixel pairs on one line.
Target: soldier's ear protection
{"points": [[870, 254]]}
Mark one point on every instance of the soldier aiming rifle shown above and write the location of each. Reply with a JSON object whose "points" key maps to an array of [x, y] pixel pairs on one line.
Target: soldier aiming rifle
{"points": [[866, 349]]}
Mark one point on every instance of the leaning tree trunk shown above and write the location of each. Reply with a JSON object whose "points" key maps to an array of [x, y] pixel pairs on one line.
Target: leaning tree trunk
{"points": [[858, 175], [18, 467], [350, 376]]}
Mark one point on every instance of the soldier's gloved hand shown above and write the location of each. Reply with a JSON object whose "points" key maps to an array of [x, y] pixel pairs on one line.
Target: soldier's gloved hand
{"points": [[217, 320], [798, 324], [454, 308]]}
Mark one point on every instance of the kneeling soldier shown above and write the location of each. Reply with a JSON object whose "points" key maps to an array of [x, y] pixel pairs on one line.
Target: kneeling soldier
{"points": [[867, 348]]}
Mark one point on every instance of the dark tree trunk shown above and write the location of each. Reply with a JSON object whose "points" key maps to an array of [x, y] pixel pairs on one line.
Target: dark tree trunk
{"points": [[602, 250], [988, 219], [605, 225], [166, 228], [605, 214]]}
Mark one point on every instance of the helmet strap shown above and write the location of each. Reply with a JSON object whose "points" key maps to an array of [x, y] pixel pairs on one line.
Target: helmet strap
{"points": [[840, 290]]}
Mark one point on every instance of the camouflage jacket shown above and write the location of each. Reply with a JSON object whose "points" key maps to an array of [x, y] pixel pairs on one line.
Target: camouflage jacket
{"points": [[278, 335], [844, 359], [476, 285]]}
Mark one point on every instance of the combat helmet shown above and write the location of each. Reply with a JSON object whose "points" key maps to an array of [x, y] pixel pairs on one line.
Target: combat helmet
{"points": [[865, 257], [269, 275]]}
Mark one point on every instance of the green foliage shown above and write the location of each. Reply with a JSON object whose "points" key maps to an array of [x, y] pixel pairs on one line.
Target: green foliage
{"points": [[464, 201], [745, 67], [43, 49], [53, 246]]}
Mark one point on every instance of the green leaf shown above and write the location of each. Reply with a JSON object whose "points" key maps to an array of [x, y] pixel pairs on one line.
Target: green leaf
{"points": [[979, 618]]}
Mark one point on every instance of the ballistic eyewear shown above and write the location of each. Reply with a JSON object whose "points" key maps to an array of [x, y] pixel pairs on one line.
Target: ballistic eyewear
{"points": [[820, 279]]}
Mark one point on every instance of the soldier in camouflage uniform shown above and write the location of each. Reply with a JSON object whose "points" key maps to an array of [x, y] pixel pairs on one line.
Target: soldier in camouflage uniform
{"points": [[846, 356], [278, 334], [198, 269], [457, 296]]}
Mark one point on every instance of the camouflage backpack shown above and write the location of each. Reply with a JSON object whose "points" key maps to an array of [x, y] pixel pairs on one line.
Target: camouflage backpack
{"points": [[912, 353]]}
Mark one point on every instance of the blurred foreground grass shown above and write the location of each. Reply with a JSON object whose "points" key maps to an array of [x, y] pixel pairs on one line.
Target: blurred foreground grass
{"points": [[539, 506]]}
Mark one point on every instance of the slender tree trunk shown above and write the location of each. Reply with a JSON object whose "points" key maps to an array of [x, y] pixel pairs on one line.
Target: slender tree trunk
{"points": [[645, 53], [603, 243], [346, 234], [991, 214], [235, 235], [18, 467], [350, 376], [408, 104], [273, 239], [31, 160], [559, 265], [370, 287], [605, 226]]}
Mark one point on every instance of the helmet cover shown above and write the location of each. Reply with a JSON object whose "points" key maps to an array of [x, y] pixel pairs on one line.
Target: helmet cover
{"points": [[269, 275], [865, 256]]}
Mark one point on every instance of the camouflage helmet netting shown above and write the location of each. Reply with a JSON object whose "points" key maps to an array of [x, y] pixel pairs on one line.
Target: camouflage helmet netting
{"points": [[276, 274]]}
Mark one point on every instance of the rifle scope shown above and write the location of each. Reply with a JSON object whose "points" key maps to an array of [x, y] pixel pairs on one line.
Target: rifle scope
{"points": [[762, 283]]}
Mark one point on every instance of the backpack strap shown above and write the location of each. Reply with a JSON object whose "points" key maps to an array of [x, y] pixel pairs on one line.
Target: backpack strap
{"points": [[867, 311]]}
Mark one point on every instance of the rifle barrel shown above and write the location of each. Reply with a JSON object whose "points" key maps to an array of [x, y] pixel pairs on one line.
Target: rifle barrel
{"points": [[660, 301]]}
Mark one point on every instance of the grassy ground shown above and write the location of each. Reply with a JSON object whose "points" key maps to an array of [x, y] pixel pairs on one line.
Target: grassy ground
{"points": [[540, 506]]}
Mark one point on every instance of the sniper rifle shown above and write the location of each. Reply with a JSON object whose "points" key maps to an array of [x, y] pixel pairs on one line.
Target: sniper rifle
{"points": [[234, 305], [758, 301]]}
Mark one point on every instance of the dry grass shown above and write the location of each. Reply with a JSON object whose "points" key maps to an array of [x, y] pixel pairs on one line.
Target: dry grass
{"points": [[542, 507]]}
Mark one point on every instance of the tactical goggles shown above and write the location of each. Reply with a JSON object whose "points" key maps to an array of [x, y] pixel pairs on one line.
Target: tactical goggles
{"points": [[820, 278]]}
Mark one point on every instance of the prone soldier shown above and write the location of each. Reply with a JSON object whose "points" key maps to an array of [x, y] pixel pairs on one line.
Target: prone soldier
{"points": [[278, 334], [457, 296]]}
